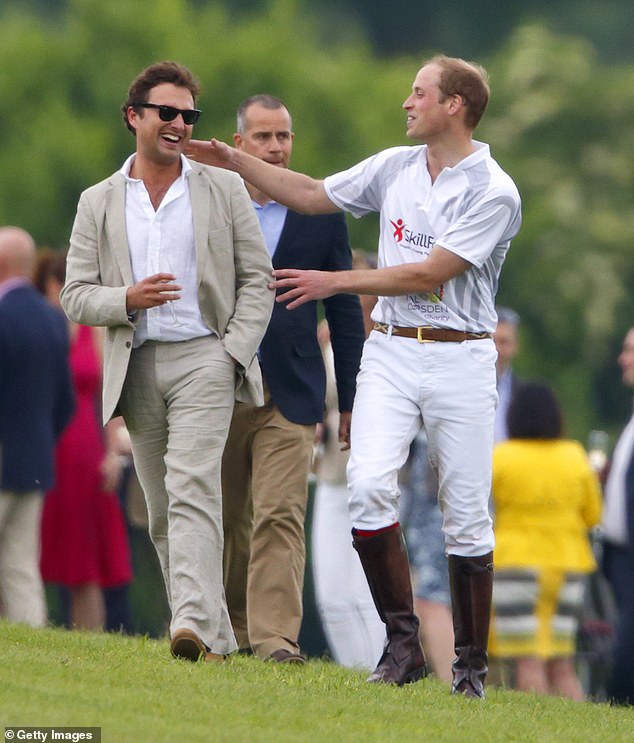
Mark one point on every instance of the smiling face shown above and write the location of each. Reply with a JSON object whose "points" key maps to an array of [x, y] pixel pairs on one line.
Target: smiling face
{"points": [[427, 113], [267, 134], [162, 142]]}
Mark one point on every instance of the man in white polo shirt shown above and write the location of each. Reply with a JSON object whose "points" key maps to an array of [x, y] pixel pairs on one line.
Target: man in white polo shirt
{"points": [[448, 214]]}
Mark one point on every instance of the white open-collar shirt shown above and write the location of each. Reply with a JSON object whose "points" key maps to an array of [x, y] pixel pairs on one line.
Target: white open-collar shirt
{"points": [[162, 241]]}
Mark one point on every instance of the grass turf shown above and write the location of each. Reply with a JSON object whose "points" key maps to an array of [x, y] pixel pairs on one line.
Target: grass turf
{"points": [[135, 692]]}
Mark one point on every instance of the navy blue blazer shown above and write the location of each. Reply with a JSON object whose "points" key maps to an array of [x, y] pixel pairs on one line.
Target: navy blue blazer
{"points": [[290, 356], [36, 392]]}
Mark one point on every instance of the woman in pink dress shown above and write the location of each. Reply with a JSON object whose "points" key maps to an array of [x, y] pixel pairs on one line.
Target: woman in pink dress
{"points": [[84, 537]]}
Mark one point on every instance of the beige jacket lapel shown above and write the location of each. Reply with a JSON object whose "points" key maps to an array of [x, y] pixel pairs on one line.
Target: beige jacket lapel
{"points": [[199, 194], [115, 218]]}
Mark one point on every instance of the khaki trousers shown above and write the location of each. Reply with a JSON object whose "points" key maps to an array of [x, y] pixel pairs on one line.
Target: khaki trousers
{"points": [[177, 403], [21, 589], [264, 479]]}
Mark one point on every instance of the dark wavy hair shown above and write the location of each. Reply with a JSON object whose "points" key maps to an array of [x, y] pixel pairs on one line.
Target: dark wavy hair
{"points": [[534, 413], [157, 74]]}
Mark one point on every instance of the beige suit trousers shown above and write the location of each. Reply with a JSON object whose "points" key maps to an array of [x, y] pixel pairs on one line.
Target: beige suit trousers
{"points": [[177, 403], [21, 589]]}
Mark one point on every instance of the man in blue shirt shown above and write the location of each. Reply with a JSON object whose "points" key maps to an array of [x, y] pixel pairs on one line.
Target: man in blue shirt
{"points": [[269, 450]]}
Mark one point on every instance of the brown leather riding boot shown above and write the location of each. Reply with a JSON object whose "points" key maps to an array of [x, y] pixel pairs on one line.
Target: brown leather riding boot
{"points": [[384, 560], [471, 581]]}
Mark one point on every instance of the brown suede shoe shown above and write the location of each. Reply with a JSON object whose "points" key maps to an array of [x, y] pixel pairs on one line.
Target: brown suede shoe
{"points": [[286, 656], [186, 644], [214, 657]]}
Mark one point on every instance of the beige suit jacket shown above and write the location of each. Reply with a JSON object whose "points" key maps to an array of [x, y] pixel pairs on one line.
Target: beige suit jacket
{"points": [[233, 267]]}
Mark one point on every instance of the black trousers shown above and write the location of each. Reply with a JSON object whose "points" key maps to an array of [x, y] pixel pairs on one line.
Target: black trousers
{"points": [[618, 567]]}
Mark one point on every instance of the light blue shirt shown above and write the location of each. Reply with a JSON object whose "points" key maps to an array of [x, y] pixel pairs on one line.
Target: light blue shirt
{"points": [[271, 217]]}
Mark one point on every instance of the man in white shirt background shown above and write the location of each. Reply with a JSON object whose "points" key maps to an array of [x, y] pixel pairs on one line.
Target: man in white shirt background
{"points": [[618, 542]]}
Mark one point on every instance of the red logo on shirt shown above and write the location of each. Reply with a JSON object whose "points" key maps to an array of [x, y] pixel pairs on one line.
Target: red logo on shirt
{"points": [[419, 242], [399, 226]]}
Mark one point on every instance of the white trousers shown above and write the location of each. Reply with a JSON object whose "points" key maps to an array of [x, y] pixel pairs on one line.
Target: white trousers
{"points": [[450, 389], [21, 589], [355, 633], [177, 403]]}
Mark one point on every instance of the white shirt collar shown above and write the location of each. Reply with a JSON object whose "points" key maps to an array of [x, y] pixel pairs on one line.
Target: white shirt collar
{"points": [[186, 168]]}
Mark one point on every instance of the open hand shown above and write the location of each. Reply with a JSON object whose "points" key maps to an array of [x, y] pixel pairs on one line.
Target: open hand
{"points": [[210, 152], [301, 286]]}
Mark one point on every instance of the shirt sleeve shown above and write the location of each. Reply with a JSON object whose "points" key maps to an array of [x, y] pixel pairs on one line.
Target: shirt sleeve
{"points": [[360, 189], [492, 221]]}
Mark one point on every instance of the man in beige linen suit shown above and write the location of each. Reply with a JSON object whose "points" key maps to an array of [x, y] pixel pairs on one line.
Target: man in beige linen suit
{"points": [[168, 254]]}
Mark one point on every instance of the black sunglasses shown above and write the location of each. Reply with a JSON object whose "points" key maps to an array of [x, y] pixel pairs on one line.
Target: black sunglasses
{"points": [[169, 113]]}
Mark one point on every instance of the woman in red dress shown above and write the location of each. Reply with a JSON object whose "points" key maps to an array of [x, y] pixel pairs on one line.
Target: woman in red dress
{"points": [[84, 537]]}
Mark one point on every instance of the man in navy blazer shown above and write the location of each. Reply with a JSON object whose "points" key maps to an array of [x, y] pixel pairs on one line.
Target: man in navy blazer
{"points": [[269, 451], [36, 403]]}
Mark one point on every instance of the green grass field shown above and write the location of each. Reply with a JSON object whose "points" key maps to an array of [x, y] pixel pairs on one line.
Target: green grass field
{"points": [[135, 692]]}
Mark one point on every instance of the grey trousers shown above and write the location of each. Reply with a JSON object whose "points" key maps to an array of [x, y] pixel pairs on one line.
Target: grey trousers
{"points": [[21, 590], [177, 403]]}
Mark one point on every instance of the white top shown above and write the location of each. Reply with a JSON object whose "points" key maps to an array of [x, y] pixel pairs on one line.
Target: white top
{"points": [[614, 525], [472, 210], [162, 241]]}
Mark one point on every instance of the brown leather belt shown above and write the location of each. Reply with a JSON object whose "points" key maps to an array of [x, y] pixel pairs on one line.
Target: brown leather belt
{"points": [[427, 334]]}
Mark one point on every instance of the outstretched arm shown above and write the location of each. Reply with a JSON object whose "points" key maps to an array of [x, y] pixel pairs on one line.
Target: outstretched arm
{"points": [[295, 190], [424, 276]]}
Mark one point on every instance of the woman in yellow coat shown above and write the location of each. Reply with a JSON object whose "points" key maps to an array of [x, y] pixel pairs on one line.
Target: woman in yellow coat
{"points": [[546, 497]]}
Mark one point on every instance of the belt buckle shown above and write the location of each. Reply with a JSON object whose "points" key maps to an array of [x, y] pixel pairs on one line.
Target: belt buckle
{"points": [[419, 334]]}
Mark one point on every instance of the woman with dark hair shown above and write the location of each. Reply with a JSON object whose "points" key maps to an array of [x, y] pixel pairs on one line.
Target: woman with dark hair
{"points": [[546, 497], [534, 413]]}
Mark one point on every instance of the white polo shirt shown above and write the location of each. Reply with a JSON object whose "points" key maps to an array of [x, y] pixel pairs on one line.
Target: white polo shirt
{"points": [[472, 210]]}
